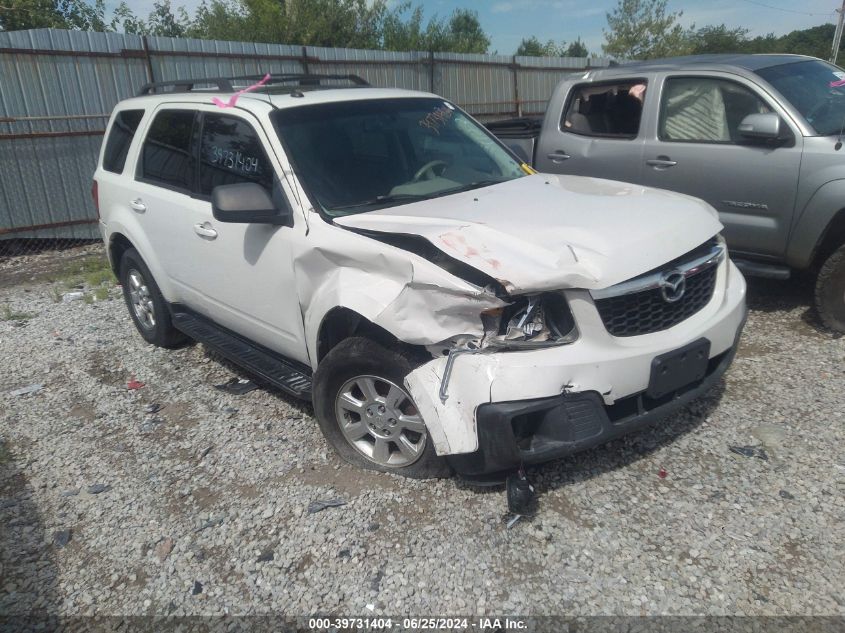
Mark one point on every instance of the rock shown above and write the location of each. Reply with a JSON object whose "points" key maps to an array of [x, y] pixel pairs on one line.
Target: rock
{"points": [[163, 548], [62, 537], [96, 489], [265, 556], [72, 296], [29, 389], [786, 495], [197, 588]]}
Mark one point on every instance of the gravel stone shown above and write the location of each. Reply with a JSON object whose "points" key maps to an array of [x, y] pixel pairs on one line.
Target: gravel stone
{"points": [[715, 537]]}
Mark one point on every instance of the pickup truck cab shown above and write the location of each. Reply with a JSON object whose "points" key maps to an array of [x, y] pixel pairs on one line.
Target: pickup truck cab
{"points": [[380, 253], [758, 137]]}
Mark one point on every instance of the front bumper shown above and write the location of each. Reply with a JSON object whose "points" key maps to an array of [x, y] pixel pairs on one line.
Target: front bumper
{"points": [[508, 408], [511, 434]]}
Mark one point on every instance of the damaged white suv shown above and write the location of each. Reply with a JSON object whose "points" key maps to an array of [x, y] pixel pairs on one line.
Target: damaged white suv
{"points": [[379, 252]]}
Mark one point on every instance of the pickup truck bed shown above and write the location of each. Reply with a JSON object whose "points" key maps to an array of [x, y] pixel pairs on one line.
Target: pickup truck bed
{"points": [[520, 135]]}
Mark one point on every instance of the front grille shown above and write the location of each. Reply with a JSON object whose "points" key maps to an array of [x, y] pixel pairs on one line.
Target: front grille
{"points": [[647, 311]]}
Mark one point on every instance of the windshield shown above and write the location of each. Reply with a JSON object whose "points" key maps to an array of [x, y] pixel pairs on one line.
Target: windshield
{"points": [[356, 156], [813, 87]]}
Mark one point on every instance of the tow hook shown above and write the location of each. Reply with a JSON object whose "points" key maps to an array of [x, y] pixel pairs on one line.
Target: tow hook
{"points": [[522, 502]]}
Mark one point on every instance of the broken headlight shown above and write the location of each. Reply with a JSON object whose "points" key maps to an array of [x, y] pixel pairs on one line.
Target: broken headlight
{"points": [[532, 321]]}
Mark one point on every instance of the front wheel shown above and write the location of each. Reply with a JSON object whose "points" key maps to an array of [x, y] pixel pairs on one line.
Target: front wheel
{"points": [[367, 415], [830, 291]]}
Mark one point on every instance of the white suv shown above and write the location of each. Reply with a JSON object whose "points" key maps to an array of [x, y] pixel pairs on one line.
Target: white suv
{"points": [[379, 252]]}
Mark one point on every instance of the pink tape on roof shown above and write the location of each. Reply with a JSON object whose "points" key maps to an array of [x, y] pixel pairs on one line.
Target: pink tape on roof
{"points": [[836, 84], [234, 98]]}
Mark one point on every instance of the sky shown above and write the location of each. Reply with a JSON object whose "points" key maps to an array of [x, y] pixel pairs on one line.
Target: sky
{"points": [[508, 21]]}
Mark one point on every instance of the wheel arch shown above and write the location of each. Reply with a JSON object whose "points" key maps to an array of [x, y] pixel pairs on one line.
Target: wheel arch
{"points": [[820, 229], [341, 323]]}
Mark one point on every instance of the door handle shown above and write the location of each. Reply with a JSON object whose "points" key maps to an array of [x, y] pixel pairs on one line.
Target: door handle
{"points": [[558, 156], [661, 162], [205, 230], [137, 205]]}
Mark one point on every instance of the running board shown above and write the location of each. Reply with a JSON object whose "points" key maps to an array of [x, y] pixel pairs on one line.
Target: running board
{"points": [[759, 269], [288, 375]]}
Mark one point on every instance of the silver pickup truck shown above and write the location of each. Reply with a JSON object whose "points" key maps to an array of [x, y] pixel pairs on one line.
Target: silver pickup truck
{"points": [[759, 137]]}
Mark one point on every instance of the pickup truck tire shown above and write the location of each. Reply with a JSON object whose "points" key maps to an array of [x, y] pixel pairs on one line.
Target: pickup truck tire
{"points": [[367, 416], [147, 307], [830, 291]]}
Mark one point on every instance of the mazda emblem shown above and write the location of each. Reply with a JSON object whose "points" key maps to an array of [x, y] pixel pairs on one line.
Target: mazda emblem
{"points": [[673, 284]]}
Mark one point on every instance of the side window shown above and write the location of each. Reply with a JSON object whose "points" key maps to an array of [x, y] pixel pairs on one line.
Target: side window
{"points": [[120, 138], [608, 110], [230, 153], [167, 158], [705, 110]]}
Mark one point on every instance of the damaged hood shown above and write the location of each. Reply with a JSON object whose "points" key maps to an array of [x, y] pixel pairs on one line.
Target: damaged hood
{"points": [[548, 232]]}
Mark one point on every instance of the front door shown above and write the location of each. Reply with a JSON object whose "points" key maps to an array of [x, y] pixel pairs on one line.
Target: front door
{"points": [[697, 150]]}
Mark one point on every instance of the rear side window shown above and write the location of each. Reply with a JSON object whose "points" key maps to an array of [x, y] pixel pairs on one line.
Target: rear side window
{"points": [[231, 153], [120, 138], [167, 158], [607, 110]]}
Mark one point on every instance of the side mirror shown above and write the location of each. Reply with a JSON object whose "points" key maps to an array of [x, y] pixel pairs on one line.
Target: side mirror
{"points": [[761, 126], [247, 203]]}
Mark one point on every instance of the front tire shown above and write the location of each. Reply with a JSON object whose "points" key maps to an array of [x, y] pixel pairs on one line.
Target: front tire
{"points": [[147, 307], [366, 414], [830, 291]]}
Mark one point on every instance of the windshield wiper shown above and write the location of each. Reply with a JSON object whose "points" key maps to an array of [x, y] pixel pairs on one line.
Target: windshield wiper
{"points": [[478, 184], [398, 197]]}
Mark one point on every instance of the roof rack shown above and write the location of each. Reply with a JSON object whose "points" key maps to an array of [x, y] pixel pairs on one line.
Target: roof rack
{"points": [[226, 84]]}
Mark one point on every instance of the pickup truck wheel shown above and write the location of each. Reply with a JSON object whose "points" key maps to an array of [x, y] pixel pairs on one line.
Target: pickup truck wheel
{"points": [[367, 415], [830, 291], [146, 304]]}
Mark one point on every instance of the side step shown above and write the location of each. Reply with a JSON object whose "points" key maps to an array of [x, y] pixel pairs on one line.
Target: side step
{"points": [[759, 269], [288, 375]]}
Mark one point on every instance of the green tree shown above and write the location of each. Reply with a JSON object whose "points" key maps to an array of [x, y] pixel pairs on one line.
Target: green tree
{"points": [[463, 33], [16, 15], [533, 47], [163, 21], [642, 29], [719, 39], [576, 49]]}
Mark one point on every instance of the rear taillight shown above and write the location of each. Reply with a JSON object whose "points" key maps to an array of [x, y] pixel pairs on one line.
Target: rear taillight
{"points": [[96, 197]]}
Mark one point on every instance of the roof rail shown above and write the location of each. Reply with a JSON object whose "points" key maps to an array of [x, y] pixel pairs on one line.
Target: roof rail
{"points": [[226, 84]]}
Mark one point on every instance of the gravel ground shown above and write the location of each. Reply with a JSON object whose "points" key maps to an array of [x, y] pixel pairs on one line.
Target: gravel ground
{"points": [[202, 507]]}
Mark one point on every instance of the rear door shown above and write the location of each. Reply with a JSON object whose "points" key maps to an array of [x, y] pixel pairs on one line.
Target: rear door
{"points": [[695, 148], [239, 275], [598, 131]]}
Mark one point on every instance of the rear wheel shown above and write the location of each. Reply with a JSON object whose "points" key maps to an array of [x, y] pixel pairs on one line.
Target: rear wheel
{"points": [[368, 416], [830, 291], [146, 304]]}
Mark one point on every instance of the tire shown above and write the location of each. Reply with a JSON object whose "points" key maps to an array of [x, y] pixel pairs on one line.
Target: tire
{"points": [[830, 291], [147, 307], [366, 420]]}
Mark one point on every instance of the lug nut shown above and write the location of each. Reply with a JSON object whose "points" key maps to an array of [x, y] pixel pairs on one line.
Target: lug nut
{"points": [[392, 421], [381, 408]]}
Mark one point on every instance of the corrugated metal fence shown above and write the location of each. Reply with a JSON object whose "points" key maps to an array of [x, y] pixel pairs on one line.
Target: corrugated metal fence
{"points": [[58, 87]]}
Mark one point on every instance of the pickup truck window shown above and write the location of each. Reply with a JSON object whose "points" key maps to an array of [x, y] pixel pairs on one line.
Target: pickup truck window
{"points": [[231, 153], [607, 110], [120, 138], [811, 86], [167, 159], [705, 110], [357, 156]]}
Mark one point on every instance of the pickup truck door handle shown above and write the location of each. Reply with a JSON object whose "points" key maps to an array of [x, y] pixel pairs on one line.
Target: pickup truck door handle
{"points": [[558, 156], [137, 205], [205, 230], [661, 162]]}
